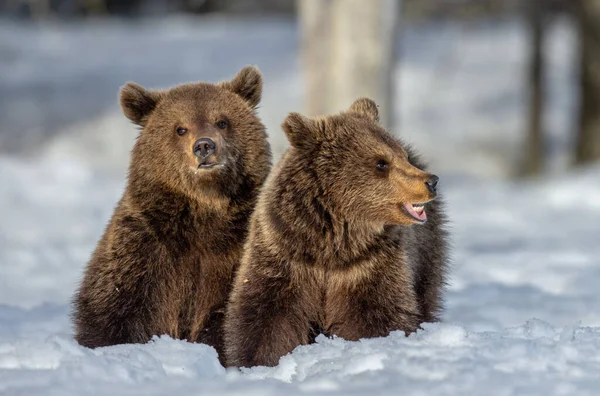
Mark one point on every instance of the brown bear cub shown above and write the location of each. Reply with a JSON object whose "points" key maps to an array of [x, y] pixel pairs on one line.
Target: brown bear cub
{"points": [[166, 261], [346, 239]]}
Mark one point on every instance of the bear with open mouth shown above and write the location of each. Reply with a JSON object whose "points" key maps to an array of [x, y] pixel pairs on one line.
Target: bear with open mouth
{"points": [[347, 239], [166, 261]]}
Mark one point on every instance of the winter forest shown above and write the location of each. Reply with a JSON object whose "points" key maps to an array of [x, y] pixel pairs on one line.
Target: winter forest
{"points": [[500, 97]]}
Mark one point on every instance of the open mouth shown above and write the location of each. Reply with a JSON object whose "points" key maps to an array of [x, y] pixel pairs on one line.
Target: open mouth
{"points": [[416, 211]]}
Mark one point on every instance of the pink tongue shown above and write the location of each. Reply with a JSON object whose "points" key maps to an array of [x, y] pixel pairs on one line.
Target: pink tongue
{"points": [[421, 216]]}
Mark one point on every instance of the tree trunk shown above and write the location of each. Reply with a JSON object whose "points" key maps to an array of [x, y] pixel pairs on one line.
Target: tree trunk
{"points": [[588, 139], [534, 144], [348, 52], [315, 17]]}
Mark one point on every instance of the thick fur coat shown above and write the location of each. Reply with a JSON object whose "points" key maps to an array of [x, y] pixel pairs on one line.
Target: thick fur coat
{"points": [[337, 242], [166, 261]]}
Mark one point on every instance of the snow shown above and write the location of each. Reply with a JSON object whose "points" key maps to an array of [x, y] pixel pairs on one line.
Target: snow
{"points": [[444, 359], [522, 311]]}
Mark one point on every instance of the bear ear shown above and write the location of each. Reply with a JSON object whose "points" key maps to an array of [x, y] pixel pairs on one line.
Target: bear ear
{"points": [[366, 108], [302, 132], [247, 84], [137, 102]]}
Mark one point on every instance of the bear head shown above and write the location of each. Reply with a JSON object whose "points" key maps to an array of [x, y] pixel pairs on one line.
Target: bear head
{"points": [[363, 173], [200, 137]]}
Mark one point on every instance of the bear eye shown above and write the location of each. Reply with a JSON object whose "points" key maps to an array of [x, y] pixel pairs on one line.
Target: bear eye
{"points": [[222, 124], [181, 131], [382, 165]]}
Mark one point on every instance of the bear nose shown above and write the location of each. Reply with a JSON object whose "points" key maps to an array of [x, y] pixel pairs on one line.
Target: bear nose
{"points": [[204, 147], [432, 183]]}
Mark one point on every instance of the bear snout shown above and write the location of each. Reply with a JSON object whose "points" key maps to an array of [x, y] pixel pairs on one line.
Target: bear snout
{"points": [[432, 183], [204, 148]]}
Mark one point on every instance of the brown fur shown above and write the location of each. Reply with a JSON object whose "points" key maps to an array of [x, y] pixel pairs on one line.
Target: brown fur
{"points": [[165, 263], [330, 249]]}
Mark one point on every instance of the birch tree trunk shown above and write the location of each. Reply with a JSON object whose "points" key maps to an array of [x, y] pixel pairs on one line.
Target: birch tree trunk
{"points": [[349, 51], [315, 30]]}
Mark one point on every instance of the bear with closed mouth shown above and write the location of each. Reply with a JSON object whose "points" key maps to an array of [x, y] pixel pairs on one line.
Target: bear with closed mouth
{"points": [[347, 239], [166, 261]]}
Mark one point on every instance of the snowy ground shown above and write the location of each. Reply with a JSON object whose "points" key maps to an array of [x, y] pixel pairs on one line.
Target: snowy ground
{"points": [[522, 305]]}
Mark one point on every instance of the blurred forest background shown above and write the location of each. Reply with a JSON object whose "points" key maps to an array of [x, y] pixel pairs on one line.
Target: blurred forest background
{"points": [[491, 88]]}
